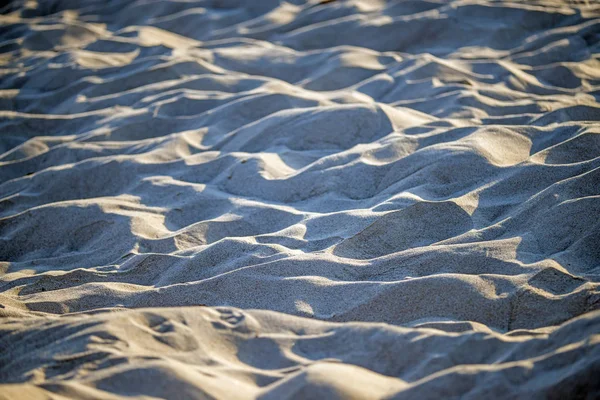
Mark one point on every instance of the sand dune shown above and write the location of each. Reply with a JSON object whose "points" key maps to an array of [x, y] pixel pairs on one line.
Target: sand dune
{"points": [[301, 199]]}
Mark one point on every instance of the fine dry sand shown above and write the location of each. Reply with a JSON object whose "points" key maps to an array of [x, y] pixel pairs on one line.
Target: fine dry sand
{"points": [[301, 199]]}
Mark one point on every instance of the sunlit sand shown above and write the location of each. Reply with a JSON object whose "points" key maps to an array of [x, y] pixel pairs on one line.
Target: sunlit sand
{"points": [[264, 199]]}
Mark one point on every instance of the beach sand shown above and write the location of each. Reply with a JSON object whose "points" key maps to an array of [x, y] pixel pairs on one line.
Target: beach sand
{"points": [[302, 199]]}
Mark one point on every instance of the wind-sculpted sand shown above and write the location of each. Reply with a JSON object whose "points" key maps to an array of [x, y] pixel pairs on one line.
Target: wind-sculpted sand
{"points": [[265, 199]]}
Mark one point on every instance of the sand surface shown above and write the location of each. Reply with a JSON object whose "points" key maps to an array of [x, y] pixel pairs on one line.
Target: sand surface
{"points": [[268, 199]]}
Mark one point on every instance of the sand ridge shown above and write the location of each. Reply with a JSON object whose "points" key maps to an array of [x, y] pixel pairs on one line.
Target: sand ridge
{"points": [[262, 199]]}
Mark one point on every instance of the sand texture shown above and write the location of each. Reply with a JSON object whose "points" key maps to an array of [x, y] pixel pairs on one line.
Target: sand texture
{"points": [[302, 199]]}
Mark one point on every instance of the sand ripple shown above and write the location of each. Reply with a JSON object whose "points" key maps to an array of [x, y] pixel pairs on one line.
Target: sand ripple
{"points": [[353, 199]]}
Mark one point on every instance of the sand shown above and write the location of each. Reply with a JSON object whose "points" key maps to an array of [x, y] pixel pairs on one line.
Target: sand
{"points": [[302, 199]]}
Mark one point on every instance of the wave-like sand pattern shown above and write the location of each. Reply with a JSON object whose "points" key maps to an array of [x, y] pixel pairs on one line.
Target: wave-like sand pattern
{"points": [[418, 180]]}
